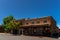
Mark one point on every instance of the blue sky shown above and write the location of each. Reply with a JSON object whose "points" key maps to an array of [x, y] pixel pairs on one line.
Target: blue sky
{"points": [[30, 8]]}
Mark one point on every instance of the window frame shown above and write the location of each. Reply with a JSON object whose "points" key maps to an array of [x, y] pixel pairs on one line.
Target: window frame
{"points": [[38, 21], [45, 21], [32, 21]]}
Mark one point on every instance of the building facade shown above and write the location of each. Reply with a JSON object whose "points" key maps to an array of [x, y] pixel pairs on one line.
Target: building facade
{"points": [[45, 26], [59, 32], [1, 29]]}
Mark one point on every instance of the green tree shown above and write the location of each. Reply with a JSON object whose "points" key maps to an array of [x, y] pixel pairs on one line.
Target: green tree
{"points": [[9, 23]]}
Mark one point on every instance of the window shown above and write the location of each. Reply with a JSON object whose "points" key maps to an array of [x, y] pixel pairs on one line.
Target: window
{"points": [[27, 23], [45, 21], [47, 28], [38, 21], [32, 21], [35, 30], [41, 28]]}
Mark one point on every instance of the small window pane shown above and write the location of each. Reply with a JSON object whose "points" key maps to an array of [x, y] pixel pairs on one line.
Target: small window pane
{"points": [[38, 21], [45, 21], [27, 23], [47, 28], [32, 22]]}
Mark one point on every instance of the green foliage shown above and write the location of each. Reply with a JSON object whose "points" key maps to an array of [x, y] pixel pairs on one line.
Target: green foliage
{"points": [[14, 24], [8, 19], [10, 23]]}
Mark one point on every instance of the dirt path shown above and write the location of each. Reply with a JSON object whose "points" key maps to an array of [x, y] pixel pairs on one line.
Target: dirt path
{"points": [[4, 36]]}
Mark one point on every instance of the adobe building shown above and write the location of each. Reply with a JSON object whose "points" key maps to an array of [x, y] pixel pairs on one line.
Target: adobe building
{"points": [[1, 29], [45, 26], [59, 32]]}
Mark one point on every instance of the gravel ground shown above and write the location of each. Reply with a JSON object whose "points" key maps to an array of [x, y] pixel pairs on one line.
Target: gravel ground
{"points": [[4, 36]]}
